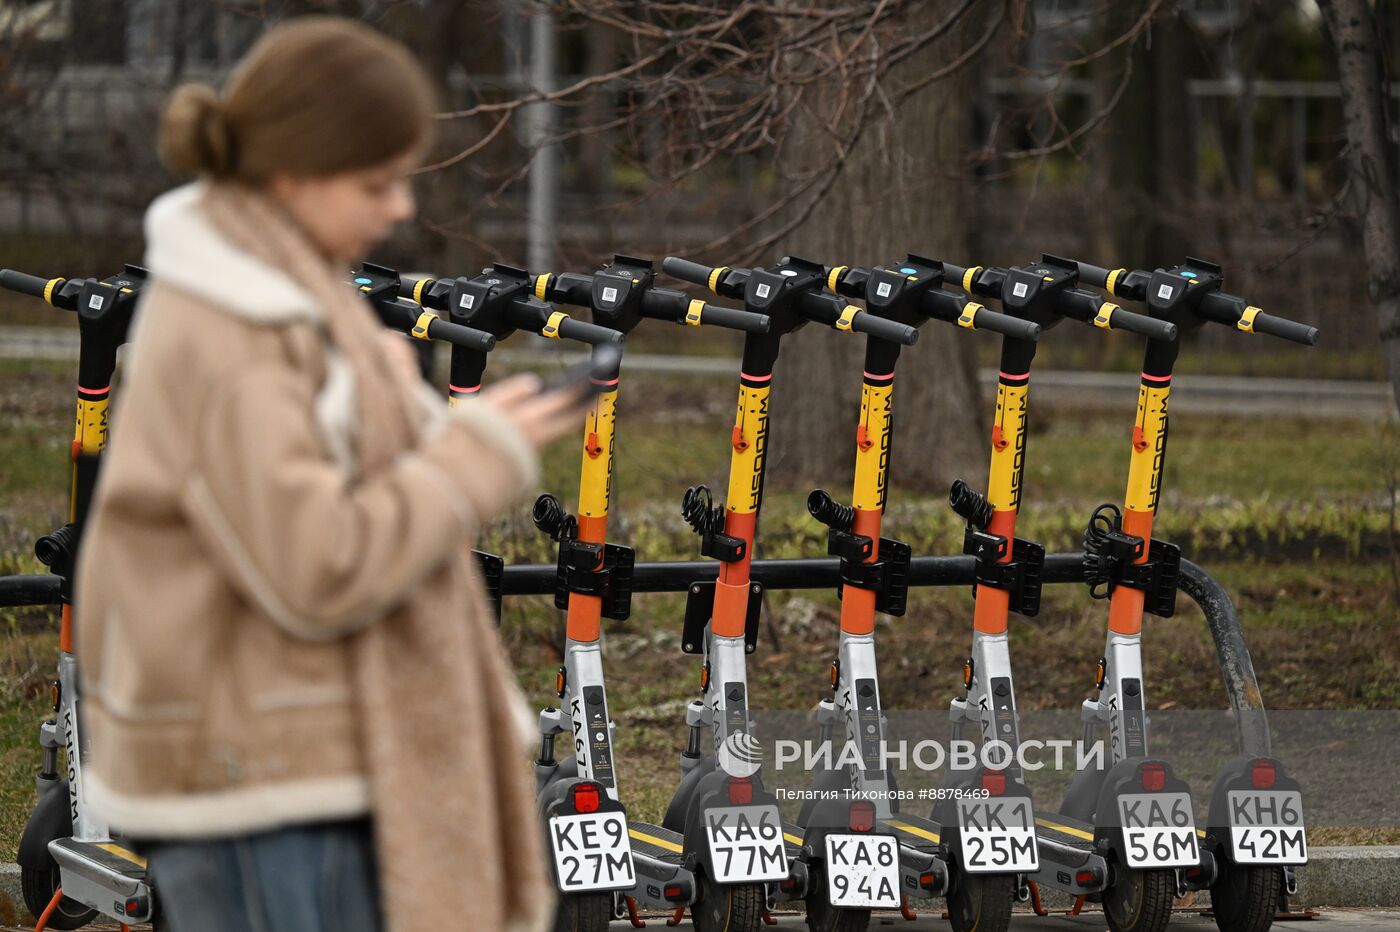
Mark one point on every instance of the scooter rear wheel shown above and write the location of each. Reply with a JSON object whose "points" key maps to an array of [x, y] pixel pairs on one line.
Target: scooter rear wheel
{"points": [[38, 888], [1244, 898], [822, 916], [1139, 901], [729, 908], [980, 902], [583, 912]]}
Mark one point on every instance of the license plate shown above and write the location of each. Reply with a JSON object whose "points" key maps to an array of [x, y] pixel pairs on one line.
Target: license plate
{"points": [[1159, 830], [591, 852], [862, 871], [746, 844], [1266, 827], [998, 836]]}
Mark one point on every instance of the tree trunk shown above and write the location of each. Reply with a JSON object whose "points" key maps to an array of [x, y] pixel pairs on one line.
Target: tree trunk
{"points": [[1371, 161], [903, 189]]}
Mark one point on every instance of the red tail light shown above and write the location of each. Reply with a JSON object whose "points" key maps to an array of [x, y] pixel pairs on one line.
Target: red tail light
{"points": [[862, 817], [1263, 774], [994, 782], [740, 791], [1085, 878], [1154, 777], [672, 892], [587, 797]]}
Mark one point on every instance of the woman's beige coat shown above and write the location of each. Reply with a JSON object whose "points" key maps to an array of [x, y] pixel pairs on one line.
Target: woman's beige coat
{"points": [[236, 552]]}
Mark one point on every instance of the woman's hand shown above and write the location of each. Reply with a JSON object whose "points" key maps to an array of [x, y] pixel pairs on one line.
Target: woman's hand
{"points": [[542, 417]]}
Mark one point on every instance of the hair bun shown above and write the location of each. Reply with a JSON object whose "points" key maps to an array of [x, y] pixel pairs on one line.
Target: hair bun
{"points": [[194, 133]]}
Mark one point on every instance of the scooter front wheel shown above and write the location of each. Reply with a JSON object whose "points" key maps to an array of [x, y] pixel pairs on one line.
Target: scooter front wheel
{"points": [[38, 888], [1245, 898], [981, 902], [583, 912], [1139, 901], [822, 916], [734, 907]]}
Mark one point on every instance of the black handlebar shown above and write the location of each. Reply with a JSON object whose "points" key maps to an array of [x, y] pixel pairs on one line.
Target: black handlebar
{"points": [[24, 283], [747, 321], [1236, 312], [832, 310], [962, 310], [687, 271], [1141, 324], [584, 332]]}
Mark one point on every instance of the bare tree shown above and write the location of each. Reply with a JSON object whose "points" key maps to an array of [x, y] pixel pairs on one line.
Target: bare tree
{"points": [[1371, 160]]}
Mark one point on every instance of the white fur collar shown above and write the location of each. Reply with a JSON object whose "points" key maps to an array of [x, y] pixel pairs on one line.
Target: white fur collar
{"points": [[184, 249]]}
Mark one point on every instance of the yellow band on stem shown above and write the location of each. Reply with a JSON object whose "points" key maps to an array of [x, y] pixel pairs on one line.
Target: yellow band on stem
{"points": [[1246, 322], [1113, 280], [968, 317], [693, 312], [848, 314], [715, 273], [418, 290], [542, 286]]}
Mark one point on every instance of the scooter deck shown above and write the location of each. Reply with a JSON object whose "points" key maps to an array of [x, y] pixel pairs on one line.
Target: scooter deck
{"points": [[792, 838], [105, 876], [914, 832], [654, 841], [1066, 831]]}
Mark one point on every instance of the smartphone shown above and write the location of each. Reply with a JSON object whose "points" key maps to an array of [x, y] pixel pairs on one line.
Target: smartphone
{"points": [[587, 378]]}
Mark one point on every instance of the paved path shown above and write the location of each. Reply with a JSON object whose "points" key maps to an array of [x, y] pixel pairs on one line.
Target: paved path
{"points": [[1201, 394]]}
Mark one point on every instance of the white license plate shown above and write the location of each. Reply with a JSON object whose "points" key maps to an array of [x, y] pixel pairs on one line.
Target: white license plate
{"points": [[998, 836], [1266, 827], [862, 871], [1159, 830], [591, 852], [746, 844]]}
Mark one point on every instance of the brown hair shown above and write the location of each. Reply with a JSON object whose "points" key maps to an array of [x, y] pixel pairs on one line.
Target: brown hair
{"points": [[314, 97]]}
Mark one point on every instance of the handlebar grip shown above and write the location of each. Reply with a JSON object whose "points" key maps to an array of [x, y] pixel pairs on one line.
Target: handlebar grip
{"points": [[733, 319], [458, 335], [1285, 329], [687, 271], [867, 323], [1141, 324], [1095, 275], [1006, 325], [23, 283], [584, 332]]}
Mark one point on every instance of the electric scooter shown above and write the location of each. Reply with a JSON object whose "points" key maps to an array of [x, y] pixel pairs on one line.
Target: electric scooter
{"points": [[1255, 822], [71, 866], [874, 574], [594, 583], [721, 815], [1083, 857]]}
